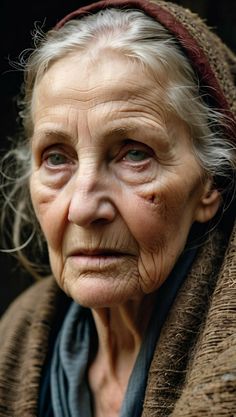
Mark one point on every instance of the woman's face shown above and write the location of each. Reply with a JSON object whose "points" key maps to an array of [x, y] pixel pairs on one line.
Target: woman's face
{"points": [[115, 184]]}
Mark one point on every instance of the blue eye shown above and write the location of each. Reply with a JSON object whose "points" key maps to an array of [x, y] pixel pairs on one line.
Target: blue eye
{"points": [[136, 155], [56, 159]]}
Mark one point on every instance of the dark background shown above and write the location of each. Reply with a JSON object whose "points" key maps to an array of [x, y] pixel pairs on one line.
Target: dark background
{"points": [[17, 24]]}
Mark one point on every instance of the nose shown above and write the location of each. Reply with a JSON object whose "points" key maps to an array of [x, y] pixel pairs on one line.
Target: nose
{"points": [[91, 202]]}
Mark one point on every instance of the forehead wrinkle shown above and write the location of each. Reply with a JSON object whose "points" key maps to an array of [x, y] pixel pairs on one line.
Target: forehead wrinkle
{"points": [[114, 90], [135, 115], [137, 128], [129, 99]]}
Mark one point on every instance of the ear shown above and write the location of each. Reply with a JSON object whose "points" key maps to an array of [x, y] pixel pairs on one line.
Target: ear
{"points": [[209, 203]]}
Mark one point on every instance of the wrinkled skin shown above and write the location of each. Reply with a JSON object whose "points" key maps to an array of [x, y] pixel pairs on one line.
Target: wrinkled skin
{"points": [[115, 183]]}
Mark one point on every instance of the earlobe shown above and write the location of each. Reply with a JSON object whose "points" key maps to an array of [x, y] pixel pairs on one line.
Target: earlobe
{"points": [[208, 205]]}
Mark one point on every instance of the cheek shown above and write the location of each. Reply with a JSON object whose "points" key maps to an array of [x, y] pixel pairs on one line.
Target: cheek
{"points": [[153, 215], [56, 263], [160, 224], [45, 206], [51, 211]]}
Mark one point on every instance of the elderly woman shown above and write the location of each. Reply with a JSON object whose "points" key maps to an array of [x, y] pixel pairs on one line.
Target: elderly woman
{"points": [[129, 119]]}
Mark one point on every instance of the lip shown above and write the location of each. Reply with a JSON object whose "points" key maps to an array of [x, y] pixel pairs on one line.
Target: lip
{"points": [[97, 258], [101, 252]]}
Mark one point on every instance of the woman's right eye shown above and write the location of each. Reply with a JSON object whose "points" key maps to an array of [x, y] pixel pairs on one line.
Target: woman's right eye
{"points": [[56, 159]]}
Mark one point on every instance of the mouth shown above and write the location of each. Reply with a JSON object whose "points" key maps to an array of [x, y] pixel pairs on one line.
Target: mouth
{"points": [[97, 258]]}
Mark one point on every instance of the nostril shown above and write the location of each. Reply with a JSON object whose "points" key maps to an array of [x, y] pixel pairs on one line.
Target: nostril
{"points": [[100, 221]]}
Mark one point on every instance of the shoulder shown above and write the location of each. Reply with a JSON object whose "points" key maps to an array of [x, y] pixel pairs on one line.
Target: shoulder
{"points": [[211, 389], [34, 305], [25, 333], [210, 383], [31, 293]]}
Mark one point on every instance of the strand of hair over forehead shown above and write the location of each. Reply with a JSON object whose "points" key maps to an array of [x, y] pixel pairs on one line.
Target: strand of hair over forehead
{"points": [[142, 39]]}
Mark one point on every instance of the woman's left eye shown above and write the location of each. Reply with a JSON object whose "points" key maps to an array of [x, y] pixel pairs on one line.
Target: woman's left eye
{"points": [[136, 155]]}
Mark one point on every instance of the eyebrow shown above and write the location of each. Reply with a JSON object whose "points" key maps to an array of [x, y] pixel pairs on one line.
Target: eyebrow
{"points": [[51, 133], [121, 130], [60, 134], [132, 127]]}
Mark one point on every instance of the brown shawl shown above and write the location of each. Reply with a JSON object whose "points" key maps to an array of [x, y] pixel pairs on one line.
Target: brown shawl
{"points": [[193, 371]]}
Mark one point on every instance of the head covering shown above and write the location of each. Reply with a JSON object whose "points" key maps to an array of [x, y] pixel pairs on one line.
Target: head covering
{"points": [[213, 62]]}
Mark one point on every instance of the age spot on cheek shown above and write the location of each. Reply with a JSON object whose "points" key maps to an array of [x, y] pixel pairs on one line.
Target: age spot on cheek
{"points": [[157, 204], [153, 199], [150, 199]]}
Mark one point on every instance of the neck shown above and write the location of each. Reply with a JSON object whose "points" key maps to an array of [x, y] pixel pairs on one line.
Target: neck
{"points": [[120, 332], [119, 336]]}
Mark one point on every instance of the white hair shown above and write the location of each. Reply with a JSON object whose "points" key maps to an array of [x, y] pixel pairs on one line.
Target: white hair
{"points": [[140, 38]]}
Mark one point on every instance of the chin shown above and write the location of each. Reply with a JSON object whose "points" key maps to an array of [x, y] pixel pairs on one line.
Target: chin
{"points": [[112, 285], [100, 292]]}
